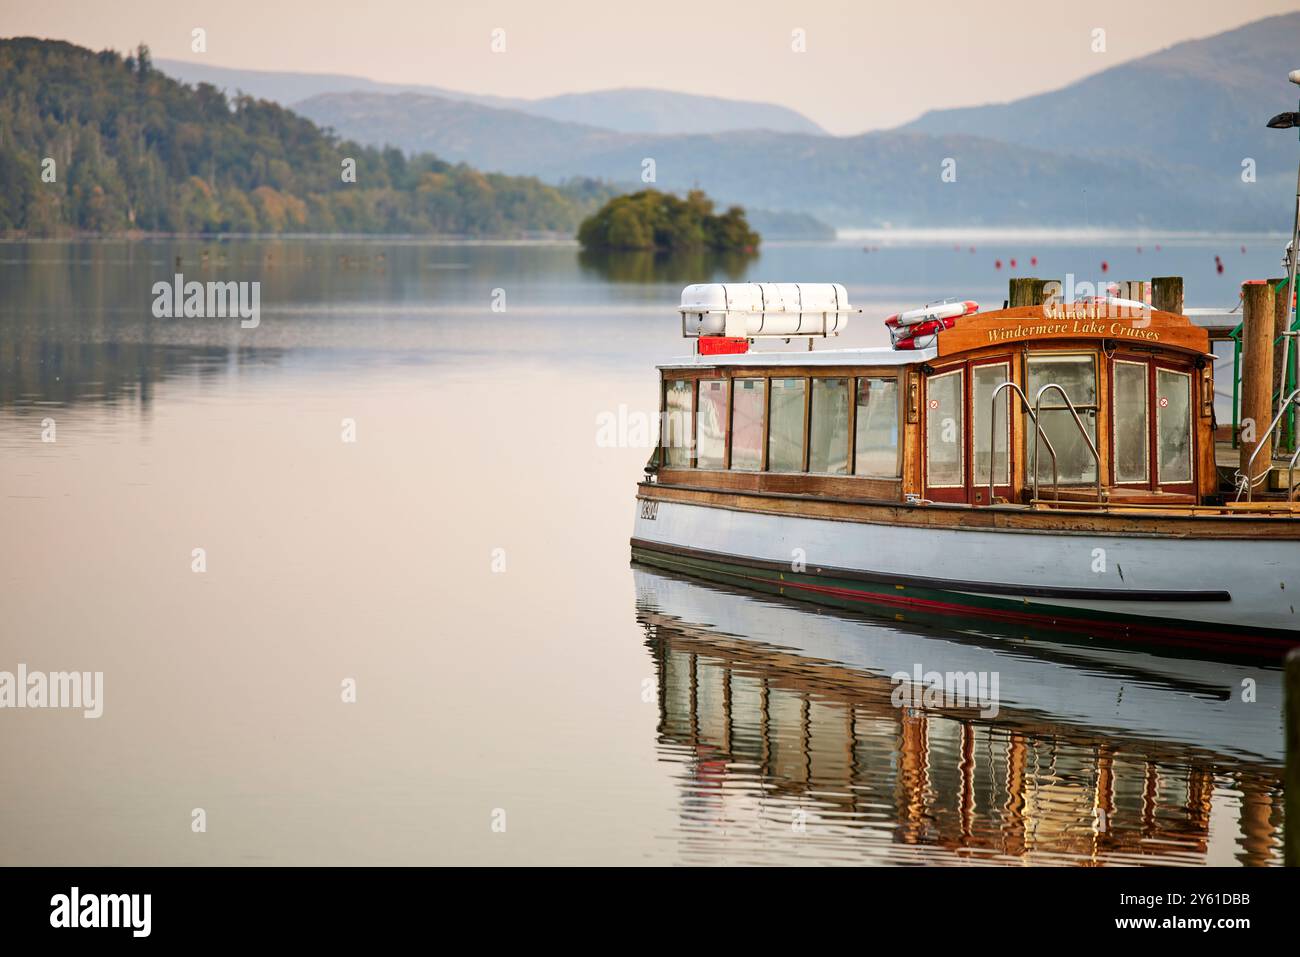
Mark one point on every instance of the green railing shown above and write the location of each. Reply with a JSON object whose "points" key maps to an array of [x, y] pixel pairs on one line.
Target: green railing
{"points": [[1288, 382]]}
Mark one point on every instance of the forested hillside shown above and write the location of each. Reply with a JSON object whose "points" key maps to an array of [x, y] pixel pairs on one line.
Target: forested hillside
{"points": [[133, 149]]}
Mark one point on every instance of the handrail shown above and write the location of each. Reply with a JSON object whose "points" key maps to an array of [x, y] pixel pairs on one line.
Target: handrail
{"points": [[1290, 473], [1246, 483], [1038, 430], [1038, 409], [1286, 337]]}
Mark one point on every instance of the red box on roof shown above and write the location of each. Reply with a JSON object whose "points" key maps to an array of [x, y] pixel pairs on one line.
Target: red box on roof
{"points": [[722, 346]]}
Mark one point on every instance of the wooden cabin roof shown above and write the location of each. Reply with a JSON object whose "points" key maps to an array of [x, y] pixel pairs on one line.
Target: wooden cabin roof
{"points": [[881, 356], [1039, 325], [1023, 325]]}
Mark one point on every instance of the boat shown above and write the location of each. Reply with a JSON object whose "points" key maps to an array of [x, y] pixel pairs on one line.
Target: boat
{"points": [[1048, 462]]}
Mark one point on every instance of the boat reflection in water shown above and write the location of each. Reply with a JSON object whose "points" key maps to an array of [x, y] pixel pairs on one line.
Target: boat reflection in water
{"points": [[785, 724]]}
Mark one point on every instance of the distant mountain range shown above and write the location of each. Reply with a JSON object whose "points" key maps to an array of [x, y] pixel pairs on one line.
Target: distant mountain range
{"points": [[622, 110], [1198, 108], [1156, 142], [869, 180]]}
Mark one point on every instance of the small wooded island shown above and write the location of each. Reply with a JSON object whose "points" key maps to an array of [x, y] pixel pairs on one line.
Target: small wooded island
{"points": [[652, 220]]}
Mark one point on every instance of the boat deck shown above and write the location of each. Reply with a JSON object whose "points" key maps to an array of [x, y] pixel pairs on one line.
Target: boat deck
{"points": [[1260, 509]]}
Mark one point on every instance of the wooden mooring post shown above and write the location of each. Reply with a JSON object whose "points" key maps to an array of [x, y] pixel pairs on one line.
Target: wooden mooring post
{"points": [[1026, 291], [1167, 293], [1256, 375], [1132, 289]]}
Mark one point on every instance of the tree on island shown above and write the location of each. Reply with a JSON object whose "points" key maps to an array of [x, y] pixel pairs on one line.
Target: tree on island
{"points": [[651, 220]]}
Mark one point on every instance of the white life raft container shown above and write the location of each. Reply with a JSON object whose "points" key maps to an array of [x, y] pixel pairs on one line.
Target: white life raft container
{"points": [[753, 310]]}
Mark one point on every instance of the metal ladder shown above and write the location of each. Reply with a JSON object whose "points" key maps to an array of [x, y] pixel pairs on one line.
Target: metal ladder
{"points": [[1034, 414]]}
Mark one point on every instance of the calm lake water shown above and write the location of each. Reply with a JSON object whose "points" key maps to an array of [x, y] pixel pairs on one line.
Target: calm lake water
{"points": [[464, 565]]}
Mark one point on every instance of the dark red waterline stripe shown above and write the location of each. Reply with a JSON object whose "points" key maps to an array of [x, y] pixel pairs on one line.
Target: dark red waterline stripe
{"points": [[1162, 635], [1150, 634]]}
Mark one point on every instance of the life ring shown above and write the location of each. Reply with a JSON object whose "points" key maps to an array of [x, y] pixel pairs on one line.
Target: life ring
{"points": [[916, 342], [938, 310], [918, 328], [923, 328]]}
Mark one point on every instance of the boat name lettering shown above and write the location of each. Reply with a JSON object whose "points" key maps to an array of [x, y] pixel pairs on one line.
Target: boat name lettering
{"points": [[1077, 327]]}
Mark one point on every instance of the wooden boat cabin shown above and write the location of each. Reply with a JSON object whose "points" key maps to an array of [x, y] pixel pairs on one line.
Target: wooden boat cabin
{"points": [[918, 425], [1123, 395]]}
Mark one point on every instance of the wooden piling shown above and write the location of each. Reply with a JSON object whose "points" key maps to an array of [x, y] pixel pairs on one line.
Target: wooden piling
{"points": [[1025, 291], [1291, 786], [1256, 374], [1134, 289], [1167, 293]]}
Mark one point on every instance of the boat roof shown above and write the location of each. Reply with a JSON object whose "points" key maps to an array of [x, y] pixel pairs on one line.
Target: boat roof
{"points": [[1017, 326], [879, 356]]}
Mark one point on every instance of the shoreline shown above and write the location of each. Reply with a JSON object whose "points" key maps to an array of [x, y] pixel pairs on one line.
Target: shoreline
{"points": [[217, 238], [1145, 235], [843, 237]]}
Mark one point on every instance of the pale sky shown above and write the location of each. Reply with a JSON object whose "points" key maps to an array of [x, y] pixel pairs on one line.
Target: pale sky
{"points": [[867, 64]]}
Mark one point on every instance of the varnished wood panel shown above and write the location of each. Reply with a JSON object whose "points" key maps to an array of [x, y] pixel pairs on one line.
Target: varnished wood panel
{"points": [[1032, 325], [788, 483], [1114, 520], [782, 371]]}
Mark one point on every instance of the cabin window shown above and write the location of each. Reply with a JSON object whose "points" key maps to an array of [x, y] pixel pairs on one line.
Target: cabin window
{"points": [[828, 447], [875, 449], [1173, 427], [944, 431], [748, 405], [984, 380], [677, 426], [1132, 418], [711, 425], [785, 438], [1077, 374], [1225, 374]]}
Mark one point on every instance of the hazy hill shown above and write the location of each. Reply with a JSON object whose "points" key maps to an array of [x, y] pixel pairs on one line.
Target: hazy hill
{"points": [[1198, 106], [1158, 141], [872, 179], [662, 111], [622, 110], [496, 139]]}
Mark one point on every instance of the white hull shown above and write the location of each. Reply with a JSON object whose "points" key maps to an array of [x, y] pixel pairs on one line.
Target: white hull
{"points": [[1039, 572]]}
